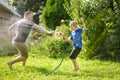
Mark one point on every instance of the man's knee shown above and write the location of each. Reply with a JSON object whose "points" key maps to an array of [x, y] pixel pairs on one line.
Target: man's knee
{"points": [[25, 57]]}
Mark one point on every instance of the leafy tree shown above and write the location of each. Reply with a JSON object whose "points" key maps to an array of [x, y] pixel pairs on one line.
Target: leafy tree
{"points": [[33, 5], [8, 1], [21, 7], [101, 38], [53, 13]]}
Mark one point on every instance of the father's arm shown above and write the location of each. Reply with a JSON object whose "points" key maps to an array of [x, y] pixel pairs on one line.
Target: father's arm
{"points": [[10, 27], [10, 30], [41, 28]]}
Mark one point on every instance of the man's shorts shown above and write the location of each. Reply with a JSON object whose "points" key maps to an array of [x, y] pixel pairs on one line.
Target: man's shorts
{"points": [[74, 53], [21, 48]]}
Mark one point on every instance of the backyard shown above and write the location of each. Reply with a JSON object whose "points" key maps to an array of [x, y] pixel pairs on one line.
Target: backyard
{"points": [[38, 66]]}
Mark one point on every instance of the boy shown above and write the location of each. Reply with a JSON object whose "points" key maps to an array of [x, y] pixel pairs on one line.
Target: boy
{"points": [[76, 38]]}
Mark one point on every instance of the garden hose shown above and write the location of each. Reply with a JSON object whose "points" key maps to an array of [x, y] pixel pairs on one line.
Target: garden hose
{"points": [[63, 57]]}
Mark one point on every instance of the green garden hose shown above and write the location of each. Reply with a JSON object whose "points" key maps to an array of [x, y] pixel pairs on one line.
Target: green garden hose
{"points": [[63, 57]]}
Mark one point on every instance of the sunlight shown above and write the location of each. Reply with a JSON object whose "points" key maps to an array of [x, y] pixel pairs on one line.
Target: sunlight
{"points": [[87, 0]]}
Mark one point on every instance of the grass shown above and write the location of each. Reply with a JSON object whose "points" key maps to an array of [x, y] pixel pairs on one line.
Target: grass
{"points": [[38, 66]]}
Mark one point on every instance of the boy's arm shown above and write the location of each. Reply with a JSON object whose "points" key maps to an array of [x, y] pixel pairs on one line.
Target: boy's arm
{"points": [[67, 39], [83, 23], [64, 38], [41, 28]]}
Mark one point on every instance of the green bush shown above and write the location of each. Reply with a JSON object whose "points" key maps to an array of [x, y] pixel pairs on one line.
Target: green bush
{"points": [[52, 46], [101, 38]]}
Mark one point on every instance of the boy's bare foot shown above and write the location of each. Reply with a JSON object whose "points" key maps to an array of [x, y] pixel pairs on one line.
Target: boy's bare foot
{"points": [[9, 65], [76, 69]]}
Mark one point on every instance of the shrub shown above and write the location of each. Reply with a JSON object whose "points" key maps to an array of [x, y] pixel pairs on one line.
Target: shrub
{"points": [[52, 46], [101, 38]]}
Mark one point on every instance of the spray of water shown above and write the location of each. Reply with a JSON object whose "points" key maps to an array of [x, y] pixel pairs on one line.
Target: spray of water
{"points": [[6, 47]]}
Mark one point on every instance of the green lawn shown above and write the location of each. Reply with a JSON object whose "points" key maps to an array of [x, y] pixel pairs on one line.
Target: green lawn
{"points": [[38, 66]]}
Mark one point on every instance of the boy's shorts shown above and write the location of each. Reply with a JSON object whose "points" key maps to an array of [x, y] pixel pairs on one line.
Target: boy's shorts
{"points": [[21, 48], [74, 53]]}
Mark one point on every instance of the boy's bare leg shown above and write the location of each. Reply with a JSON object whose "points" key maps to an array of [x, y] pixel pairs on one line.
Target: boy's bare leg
{"points": [[17, 59], [76, 66]]}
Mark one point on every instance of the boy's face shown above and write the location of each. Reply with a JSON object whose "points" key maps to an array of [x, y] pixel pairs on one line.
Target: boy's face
{"points": [[73, 27]]}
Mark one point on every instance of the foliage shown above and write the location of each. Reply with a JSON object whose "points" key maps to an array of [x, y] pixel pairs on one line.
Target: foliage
{"points": [[54, 46], [101, 38], [53, 13], [33, 5], [58, 46]]}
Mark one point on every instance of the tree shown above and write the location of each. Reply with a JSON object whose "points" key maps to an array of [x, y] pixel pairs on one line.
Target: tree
{"points": [[101, 39], [21, 7], [8, 1], [53, 13], [33, 5]]}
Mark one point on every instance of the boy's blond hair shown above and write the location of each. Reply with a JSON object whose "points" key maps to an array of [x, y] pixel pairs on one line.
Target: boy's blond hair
{"points": [[73, 23]]}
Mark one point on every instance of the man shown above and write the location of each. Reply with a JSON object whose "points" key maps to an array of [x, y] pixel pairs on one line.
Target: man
{"points": [[22, 30]]}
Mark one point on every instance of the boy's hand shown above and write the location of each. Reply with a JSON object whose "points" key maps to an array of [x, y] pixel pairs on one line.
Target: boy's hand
{"points": [[83, 24], [64, 37], [81, 19]]}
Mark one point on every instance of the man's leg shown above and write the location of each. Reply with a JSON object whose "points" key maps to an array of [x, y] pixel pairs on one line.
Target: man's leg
{"points": [[24, 62], [17, 59], [22, 49]]}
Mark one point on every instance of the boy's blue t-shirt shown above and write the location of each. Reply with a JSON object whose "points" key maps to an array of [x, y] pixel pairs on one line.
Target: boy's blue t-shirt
{"points": [[76, 37]]}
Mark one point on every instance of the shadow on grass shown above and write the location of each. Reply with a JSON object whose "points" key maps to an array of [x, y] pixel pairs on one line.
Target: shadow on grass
{"points": [[86, 73], [67, 74], [38, 69], [100, 74], [81, 73], [45, 71]]}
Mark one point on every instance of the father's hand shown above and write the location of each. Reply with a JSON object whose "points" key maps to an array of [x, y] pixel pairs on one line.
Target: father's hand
{"points": [[51, 32]]}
